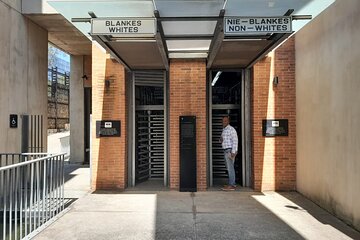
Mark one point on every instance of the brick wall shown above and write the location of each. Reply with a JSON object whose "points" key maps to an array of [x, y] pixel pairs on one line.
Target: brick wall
{"points": [[274, 158], [188, 97], [108, 153]]}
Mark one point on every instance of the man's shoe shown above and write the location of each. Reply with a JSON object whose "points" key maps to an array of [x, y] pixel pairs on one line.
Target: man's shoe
{"points": [[230, 185], [228, 188]]}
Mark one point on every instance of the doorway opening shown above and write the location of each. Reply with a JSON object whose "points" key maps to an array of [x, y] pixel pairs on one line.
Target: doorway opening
{"points": [[225, 100], [148, 161]]}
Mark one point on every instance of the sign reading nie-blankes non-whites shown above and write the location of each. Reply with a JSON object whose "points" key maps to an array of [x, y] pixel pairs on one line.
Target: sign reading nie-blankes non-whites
{"points": [[124, 27], [245, 25]]}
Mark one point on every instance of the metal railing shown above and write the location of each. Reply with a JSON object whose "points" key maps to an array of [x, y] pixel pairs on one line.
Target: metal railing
{"points": [[31, 193], [12, 158]]}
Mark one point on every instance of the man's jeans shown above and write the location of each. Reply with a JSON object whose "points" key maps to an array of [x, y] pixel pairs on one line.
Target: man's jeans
{"points": [[230, 166]]}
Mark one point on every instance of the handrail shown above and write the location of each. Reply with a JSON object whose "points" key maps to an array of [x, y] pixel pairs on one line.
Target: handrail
{"points": [[31, 194], [30, 161]]}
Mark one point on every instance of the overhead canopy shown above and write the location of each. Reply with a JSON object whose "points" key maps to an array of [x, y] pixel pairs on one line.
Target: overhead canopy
{"points": [[187, 29]]}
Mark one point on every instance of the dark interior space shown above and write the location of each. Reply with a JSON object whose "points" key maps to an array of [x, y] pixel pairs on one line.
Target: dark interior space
{"points": [[226, 101]]}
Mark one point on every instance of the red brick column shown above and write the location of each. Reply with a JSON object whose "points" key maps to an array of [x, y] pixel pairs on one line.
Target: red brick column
{"points": [[109, 163], [188, 97], [274, 158]]}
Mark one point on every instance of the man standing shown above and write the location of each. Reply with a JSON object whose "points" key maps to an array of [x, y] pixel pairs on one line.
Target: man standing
{"points": [[229, 141]]}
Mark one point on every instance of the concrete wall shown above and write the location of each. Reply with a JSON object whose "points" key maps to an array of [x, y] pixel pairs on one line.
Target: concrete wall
{"points": [[328, 112], [77, 144], [23, 72]]}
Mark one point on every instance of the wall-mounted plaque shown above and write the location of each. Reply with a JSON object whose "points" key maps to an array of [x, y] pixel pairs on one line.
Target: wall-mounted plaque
{"points": [[275, 127], [13, 120], [108, 128]]}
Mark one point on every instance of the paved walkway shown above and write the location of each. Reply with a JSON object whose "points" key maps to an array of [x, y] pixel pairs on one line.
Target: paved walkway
{"points": [[202, 215]]}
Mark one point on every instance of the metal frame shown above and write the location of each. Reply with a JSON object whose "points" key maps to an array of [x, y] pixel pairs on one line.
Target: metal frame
{"points": [[160, 39], [216, 38], [132, 129], [247, 125], [246, 128]]}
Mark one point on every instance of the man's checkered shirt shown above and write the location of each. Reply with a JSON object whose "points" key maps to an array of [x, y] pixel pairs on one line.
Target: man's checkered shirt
{"points": [[230, 138]]}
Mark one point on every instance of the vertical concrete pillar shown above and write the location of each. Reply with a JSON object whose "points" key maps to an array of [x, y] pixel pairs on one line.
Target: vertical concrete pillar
{"points": [[109, 154], [23, 73], [77, 143], [188, 97]]}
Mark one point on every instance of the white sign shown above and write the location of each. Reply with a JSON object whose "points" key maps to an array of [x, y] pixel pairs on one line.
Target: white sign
{"points": [[275, 124], [246, 25], [124, 27], [108, 125]]}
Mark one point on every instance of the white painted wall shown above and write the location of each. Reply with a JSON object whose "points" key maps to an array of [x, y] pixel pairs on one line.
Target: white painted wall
{"points": [[328, 111], [77, 144], [23, 72]]}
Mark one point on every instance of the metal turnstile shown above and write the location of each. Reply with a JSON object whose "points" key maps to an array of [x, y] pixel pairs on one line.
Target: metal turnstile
{"points": [[149, 161], [218, 163], [150, 145]]}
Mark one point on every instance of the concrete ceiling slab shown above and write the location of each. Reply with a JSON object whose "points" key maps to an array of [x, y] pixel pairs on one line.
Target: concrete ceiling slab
{"points": [[238, 54], [139, 55], [62, 33]]}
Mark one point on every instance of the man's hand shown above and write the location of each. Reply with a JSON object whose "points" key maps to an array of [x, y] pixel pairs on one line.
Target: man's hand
{"points": [[232, 156], [221, 140]]}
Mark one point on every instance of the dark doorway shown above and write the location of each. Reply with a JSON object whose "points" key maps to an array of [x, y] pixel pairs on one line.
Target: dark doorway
{"points": [[225, 101], [149, 124]]}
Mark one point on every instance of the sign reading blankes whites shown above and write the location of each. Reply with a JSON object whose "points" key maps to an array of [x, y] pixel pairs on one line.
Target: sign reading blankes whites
{"points": [[253, 25], [124, 27]]}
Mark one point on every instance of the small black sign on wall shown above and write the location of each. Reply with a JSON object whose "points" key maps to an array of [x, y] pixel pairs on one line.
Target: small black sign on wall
{"points": [[275, 127], [13, 120], [108, 128]]}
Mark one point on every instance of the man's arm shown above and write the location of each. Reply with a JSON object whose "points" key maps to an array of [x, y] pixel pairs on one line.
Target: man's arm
{"points": [[235, 141]]}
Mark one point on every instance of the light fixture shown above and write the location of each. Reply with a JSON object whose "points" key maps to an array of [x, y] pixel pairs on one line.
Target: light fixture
{"points": [[276, 81], [216, 78], [84, 77], [107, 84]]}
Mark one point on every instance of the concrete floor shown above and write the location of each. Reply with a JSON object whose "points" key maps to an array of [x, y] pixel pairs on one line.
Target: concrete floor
{"points": [[136, 214]]}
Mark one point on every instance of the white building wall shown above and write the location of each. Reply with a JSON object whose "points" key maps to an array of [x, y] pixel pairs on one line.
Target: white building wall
{"points": [[328, 111]]}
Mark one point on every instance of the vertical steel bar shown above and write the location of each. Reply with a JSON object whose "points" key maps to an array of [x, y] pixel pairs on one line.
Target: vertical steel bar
{"points": [[44, 193], [26, 187], [31, 197], [41, 135], [31, 134], [6, 174], [51, 187], [21, 200], [16, 170], [47, 189], [63, 181], [38, 133], [57, 184], [54, 186], [38, 193], [11, 183]]}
